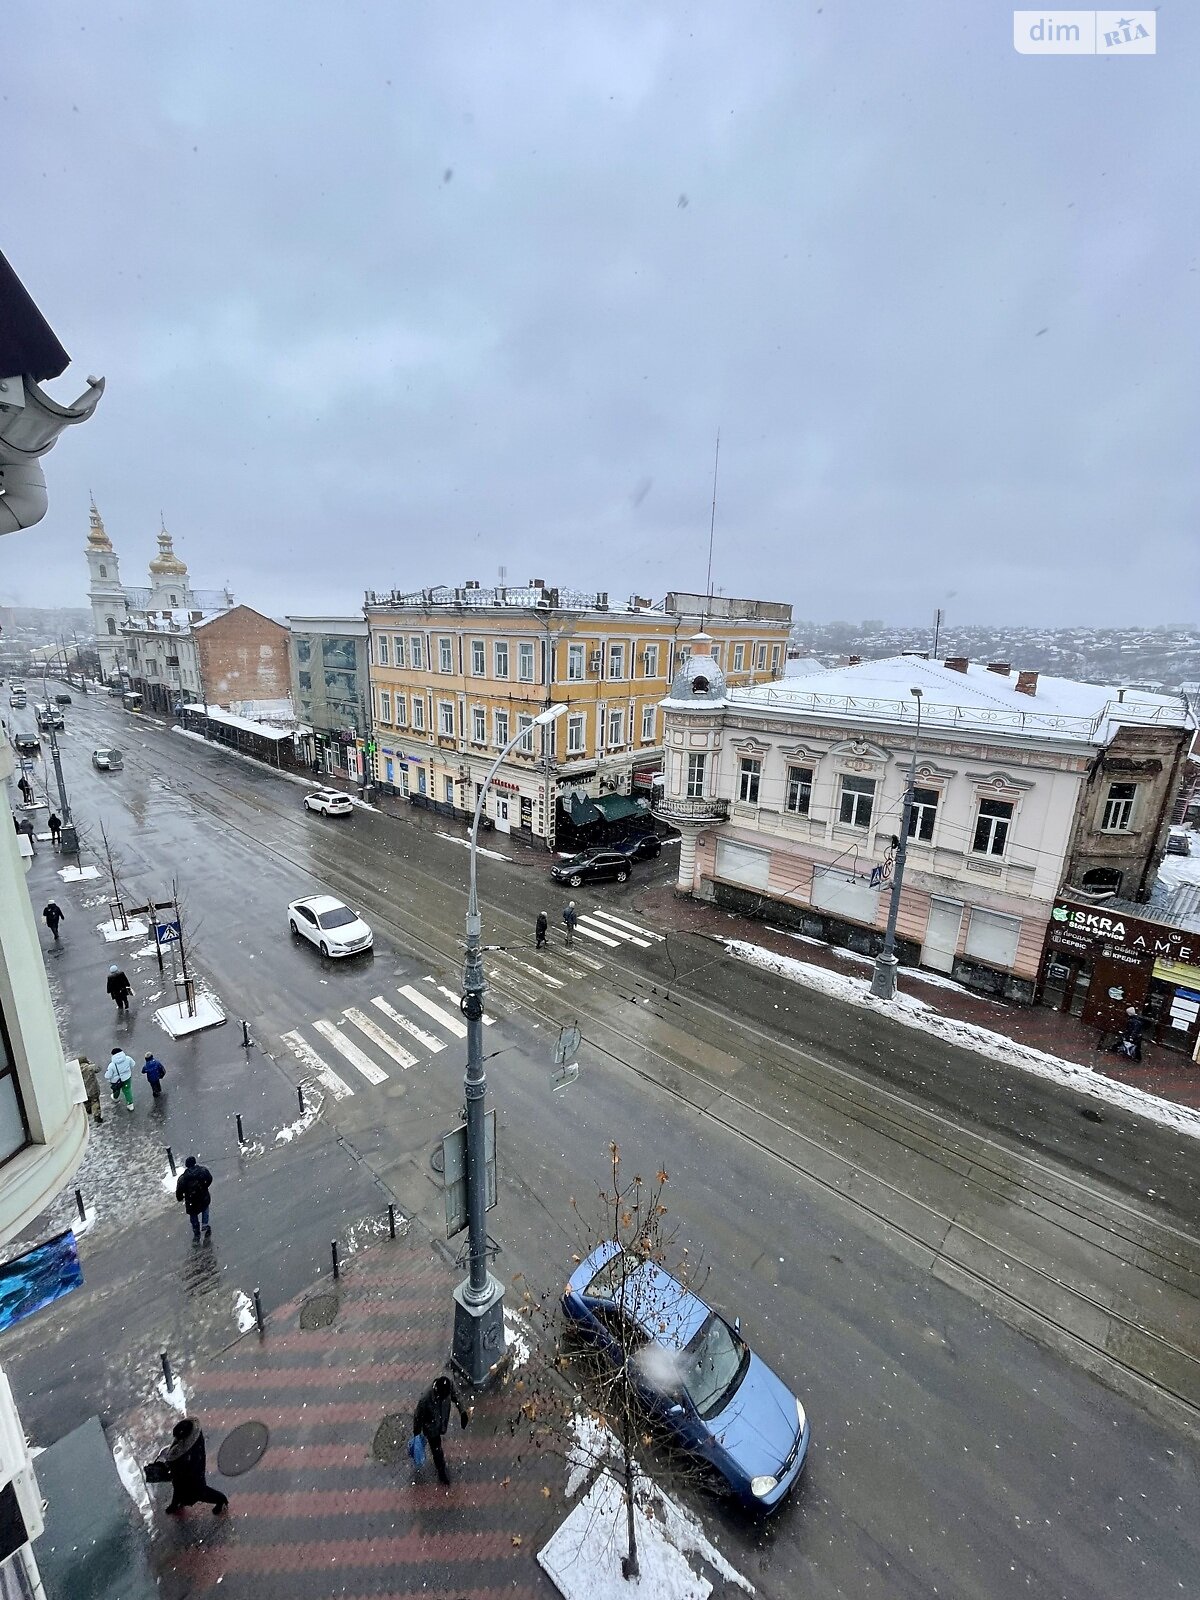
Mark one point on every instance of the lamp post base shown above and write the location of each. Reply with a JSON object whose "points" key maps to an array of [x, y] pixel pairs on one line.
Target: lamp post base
{"points": [[479, 1346], [68, 840], [883, 979]]}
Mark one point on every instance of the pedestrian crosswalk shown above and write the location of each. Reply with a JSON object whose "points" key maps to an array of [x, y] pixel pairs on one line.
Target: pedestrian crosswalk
{"points": [[367, 1043]]}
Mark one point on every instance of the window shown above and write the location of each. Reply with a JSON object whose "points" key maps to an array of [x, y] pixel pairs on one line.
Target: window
{"points": [[501, 649], [398, 653], [401, 711], [446, 718], [550, 739], [478, 724], [416, 652], [445, 655], [1106, 880], [774, 658], [574, 735], [647, 724], [749, 779], [385, 705], [762, 656], [616, 728], [103, 570], [857, 802], [743, 863], [525, 661], [739, 657], [418, 713], [478, 658], [716, 653], [1118, 808], [923, 814], [501, 728], [991, 827], [450, 791], [575, 662], [650, 662], [14, 1131], [304, 679], [799, 790], [616, 660], [112, 627], [992, 937], [381, 649], [697, 768], [525, 727]]}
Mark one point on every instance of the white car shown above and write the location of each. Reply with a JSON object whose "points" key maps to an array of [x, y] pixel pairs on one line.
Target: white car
{"points": [[331, 926], [331, 801], [107, 760]]}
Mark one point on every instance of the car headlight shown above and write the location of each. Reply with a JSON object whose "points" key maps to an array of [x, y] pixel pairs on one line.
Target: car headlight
{"points": [[800, 1417], [762, 1486]]}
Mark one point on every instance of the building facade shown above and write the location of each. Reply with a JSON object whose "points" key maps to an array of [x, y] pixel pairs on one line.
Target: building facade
{"points": [[331, 689], [455, 673], [242, 660], [789, 798]]}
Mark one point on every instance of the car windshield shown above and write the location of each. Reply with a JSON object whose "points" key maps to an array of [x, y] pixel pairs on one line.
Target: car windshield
{"points": [[339, 917], [714, 1365]]}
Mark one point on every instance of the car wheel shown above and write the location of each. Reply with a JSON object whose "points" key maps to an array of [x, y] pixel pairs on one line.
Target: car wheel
{"points": [[622, 874], [574, 880], [293, 927], [324, 949]]}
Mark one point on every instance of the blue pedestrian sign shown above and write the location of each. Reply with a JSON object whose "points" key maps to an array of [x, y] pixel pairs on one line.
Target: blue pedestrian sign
{"points": [[166, 932]]}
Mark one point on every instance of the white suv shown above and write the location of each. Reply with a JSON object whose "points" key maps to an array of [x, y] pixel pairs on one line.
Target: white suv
{"points": [[330, 801]]}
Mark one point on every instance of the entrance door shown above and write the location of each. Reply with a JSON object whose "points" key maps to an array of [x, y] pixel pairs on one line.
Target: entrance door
{"points": [[502, 822], [941, 935]]}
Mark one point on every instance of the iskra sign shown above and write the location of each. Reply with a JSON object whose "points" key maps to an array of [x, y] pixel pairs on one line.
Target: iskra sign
{"points": [[1130, 933]]}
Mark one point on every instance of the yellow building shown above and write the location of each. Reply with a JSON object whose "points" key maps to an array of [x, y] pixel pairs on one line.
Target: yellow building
{"points": [[455, 673]]}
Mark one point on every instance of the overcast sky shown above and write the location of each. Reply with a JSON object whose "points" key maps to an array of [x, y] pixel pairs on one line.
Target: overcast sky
{"points": [[403, 293]]}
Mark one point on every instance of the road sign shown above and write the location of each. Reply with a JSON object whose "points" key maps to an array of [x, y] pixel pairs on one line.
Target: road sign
{"points": [[454, 1172], [166, 932], [567, 1046]]}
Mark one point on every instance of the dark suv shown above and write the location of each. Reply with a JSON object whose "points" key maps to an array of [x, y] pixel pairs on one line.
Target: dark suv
{"points": [[645, 847], [591, 867]]}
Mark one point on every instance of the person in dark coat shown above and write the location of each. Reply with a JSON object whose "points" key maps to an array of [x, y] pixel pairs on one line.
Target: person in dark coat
{"points": [[1135, 1027], [26, 789], [54, 823], [194, 1191], [155, 1073], [53, 914], [570, 918], [539, 928], [187, 1467], [119, 988], [432, 1418]]}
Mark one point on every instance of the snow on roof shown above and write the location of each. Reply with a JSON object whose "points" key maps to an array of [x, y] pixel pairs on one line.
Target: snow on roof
{"points": [[975, 700], [228, 720], [802, 666]]}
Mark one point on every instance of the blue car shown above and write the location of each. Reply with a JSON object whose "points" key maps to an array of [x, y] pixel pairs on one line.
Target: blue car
{"points": [[694, 1371]]}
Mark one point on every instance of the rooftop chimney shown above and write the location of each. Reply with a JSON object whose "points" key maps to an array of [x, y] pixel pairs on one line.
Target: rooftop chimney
{"points": [[1027, 682], [853, 661], [1002, 667], [537, 583], [956, 663]]}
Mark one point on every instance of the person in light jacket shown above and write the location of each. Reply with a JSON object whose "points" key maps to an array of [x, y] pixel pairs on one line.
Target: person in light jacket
{"points": [[119, 1073]]}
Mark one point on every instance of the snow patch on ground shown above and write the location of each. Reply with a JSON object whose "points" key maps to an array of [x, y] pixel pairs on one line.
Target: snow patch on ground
{"points": [[79, 1228], [314, 1102], [78, 874], [517, 1338], [493, 855], [243, 1311], [130, 1473], [112, 931], [364, 1232], [996, 1047], [175, 1396]]}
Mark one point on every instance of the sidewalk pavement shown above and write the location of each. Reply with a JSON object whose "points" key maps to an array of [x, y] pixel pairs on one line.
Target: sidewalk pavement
{"points": [[334, 1505], [1169, 1074]]}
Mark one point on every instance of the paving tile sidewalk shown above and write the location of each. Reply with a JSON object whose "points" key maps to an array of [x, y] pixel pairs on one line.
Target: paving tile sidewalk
{"points": [[320, 1514], [1166, 1073]]}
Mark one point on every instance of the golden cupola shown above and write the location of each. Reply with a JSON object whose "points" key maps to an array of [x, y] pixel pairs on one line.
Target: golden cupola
{"points": [[97, 538], [166, 563]]}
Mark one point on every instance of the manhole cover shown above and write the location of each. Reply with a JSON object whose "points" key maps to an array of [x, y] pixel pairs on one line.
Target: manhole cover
{"points": [[319, 1312], [242, 1449], [390, 1443]]}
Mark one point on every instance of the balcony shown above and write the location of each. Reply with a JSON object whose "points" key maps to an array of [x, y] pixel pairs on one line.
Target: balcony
{"points": [[675, 810]]}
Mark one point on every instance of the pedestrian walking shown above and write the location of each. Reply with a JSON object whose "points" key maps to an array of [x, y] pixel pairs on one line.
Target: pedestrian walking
{"points": [[26, 789], [187, 1470], [91, 1085], [53, 914], [194, 1192], [155, 1073], [1135, 1027], [119, 1073], [431, 1419], [54, 823], [570, 918], [119, 988], [539, 928]]}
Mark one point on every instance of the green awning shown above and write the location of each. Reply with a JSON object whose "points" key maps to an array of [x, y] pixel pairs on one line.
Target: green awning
{"points": [[619, 807], [583, 812]]}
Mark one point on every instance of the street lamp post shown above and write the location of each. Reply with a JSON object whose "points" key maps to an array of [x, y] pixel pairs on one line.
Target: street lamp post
{"points": [[68, 838], [883, 980], [479, 1300]]}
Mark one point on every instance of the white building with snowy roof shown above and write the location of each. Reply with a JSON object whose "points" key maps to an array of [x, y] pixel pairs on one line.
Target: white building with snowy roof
{"points": [[789, 796]]}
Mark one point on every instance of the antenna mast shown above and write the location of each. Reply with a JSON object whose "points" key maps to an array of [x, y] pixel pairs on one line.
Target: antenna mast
{"points": [[712, 526]]}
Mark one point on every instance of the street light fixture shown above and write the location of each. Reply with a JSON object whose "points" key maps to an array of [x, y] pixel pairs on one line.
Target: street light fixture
{"points": [[883, 980], [479, 1299]]}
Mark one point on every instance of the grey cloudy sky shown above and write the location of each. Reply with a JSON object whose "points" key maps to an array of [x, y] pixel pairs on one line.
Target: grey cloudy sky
{"points": [[403, 292]]}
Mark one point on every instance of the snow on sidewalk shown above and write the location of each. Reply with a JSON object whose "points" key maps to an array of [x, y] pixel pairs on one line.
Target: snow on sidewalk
{"points": [[997, 1048]]}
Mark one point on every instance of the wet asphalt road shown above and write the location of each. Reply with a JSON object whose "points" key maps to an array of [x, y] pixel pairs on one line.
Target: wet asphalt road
{"points": [[859, 1231]]}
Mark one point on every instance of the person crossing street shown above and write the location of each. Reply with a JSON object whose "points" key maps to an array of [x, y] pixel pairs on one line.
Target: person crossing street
{"points": [[540, 927], [570, 918]]}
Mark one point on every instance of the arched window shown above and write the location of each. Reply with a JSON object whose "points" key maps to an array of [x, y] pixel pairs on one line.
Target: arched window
{"points": [[699, 685], [103, 571], [1102, 880], [112, 627]]}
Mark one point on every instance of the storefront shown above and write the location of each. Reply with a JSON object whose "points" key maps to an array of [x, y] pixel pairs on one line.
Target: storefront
{"points": [[1099, 961]]}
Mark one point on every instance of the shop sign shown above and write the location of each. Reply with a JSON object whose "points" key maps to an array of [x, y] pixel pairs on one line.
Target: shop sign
{"points": [[502, 783], [1082, 928]]}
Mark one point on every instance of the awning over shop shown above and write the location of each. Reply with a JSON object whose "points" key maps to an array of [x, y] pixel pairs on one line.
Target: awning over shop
{"points": [[619, 807], [583, 812]]}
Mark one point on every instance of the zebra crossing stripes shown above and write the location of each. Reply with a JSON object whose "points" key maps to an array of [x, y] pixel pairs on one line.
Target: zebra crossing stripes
{"points": [[644, 935], [346, 1047], [581, 960], [320, 1069], [432, 1044], [620, 935], [380, 1036], [534, 972], [450, 995], [590, 933], [455, 1024]]}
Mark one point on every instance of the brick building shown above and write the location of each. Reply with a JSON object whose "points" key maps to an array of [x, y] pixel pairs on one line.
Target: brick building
{"points": [[243, 663]]}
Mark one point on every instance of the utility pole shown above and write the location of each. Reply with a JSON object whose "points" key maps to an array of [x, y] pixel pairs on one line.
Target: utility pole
{"points": [[68, 839], [883, 980]]}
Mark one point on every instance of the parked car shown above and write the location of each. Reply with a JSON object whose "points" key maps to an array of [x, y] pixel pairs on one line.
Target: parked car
{"points": [[332, 802], [1179, 844], [62, 699], [331, 926], [591, 867], [645, 847], [108, 760], [27, 745], [717, 1399]]}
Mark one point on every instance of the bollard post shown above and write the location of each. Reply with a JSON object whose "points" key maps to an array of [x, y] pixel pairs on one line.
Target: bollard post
{"points": [[171, 1161], [241, 1134], [168, 1375], [82, 1207], [300, 1097], [247, 1041], [333, 1252], [258, 1316], [391, 1219]]}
